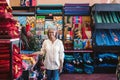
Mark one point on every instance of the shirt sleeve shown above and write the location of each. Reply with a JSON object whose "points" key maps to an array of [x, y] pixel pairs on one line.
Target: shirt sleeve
{"points": [[61, 53], [42, 51]]}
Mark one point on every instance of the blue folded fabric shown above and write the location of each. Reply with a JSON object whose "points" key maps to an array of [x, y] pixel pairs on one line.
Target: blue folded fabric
{"points": [[77, 59], [109, 58], [99, 40], [115, 37], [77, 5], [88, 69], [111, 42], [87, 58], [106, 65], [76, 8], [49, 11], [69, 68], [78, 70], [69, 58], [117, 32], [106, 38], [106, 55]]}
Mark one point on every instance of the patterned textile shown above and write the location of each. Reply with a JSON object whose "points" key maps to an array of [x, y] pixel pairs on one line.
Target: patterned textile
{"points": [[22, 20], [31, 21]]}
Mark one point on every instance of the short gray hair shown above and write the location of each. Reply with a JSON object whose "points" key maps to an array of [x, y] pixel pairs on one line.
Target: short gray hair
{"points": [[51, 28]]}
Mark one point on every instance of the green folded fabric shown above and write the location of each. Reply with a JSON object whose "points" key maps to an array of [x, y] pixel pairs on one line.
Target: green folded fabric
{"points": [[118, 17], [106, 17], [98, 18], [114, 17], [110, 16], [103, 18]]}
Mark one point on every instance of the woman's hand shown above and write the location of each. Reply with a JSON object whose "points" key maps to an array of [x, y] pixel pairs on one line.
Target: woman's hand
{"points": [[60, 69]]}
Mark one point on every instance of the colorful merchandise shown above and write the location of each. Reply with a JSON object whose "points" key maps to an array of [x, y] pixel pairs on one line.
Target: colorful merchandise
{"points": [[88, 69], [31, 21], [76, 9], [22, 20], [10, 59], [78, 44]]}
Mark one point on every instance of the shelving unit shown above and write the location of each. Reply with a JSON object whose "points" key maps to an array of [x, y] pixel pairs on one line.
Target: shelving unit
{"points": [[10, 57], [10, 60], [44, 12], [106, 25], [49, 16], [23, 11], [75, 16]]}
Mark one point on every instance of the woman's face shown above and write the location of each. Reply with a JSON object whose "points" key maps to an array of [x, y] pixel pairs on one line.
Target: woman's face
{"points": [[51, 33]]}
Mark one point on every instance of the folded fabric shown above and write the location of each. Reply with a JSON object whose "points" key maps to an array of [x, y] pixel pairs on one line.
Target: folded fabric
{"points": [[5, 76], [5, 69], [78, 70], [69, 68], [88, 69], [87, 58], [4, 51], [5, 66], [68, 58], [4, 62], [109, 58], [22, 20], [5, 56], [78, 44], [106, 65]]}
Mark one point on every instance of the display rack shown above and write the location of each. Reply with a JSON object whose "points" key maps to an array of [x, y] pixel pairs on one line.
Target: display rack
{"points": [[100, 26], [7, 44], [49, 10], [23, 11], [99, 12], [106, 7], [73, 15], [72, 10], [47, 13]]}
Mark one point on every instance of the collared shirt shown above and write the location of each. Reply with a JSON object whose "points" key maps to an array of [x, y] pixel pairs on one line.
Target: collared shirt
{"points": [[54, 53]]}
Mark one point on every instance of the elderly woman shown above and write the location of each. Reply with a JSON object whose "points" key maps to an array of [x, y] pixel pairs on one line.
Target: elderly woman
{"points": [[53, 50]]}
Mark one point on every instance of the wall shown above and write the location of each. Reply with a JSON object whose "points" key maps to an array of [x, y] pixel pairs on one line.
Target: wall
{"points": [[91, 2], [14, 2]]}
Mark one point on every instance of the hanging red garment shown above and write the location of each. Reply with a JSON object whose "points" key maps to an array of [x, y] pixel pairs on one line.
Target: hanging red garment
{"points": [[84, 34], [27, 27]]}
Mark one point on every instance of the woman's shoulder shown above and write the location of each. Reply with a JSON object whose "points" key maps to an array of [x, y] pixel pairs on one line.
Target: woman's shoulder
{"points": [[46, 40], [58, 40]]}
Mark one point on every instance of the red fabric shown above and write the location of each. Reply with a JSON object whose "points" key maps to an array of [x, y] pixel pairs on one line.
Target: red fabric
{"points": [[4, 56], [5, 15], [17, 58], [4, 70], [4, 48], [27, 27], [34, 2], [17, 70], [17, 62], [4, 51], [16, 49], [4, 61], [83, 29], [4, 76], [4, 65]]}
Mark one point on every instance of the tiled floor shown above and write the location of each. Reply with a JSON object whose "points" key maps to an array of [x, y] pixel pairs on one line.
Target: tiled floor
{"points": [[88, 77]]}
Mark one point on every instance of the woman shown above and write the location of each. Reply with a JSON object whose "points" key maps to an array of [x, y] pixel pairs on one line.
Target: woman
{"points": [[53, 50]]}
